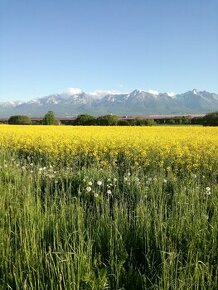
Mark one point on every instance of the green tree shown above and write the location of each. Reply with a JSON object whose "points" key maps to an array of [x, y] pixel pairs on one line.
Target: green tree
{"points": [[19, 120], [149, 122], [86, 119], [108, 120], [139, 121], [123, 122], [211, 119], [197, 121], [50, 119]]}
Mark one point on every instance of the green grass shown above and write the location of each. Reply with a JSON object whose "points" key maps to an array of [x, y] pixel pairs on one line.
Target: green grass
{"points": [[62, 229]]}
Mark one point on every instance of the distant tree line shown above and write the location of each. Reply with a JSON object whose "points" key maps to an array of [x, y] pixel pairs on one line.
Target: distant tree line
{"points": [[113, 120], [49, 119], [82, 120], [110, 120]]}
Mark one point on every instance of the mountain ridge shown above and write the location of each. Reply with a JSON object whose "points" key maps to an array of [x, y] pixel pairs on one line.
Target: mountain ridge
{"points": [[137, 102]]}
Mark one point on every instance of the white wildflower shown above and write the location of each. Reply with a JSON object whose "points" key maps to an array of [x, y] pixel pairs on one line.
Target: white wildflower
{"points": [[89, 183], [99, 182], [88, 188], [208, 190], [109, 191]]}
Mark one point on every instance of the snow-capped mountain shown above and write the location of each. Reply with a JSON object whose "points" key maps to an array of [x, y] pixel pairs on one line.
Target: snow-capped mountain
{"points": [[137, 102]]}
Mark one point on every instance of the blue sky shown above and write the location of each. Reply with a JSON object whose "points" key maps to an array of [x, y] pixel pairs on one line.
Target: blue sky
{"points": [[48, 46]]}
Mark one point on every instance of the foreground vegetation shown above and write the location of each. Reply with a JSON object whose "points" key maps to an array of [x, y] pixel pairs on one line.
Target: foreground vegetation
{"points": [[101, 208]]}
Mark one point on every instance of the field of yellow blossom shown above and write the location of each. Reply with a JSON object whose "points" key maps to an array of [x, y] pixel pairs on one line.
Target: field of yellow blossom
{"points": [[187, 148], [108, 208]]}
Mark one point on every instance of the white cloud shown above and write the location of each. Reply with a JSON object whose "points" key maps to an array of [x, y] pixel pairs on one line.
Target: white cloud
{"points": [[171, 94], [74, 91], [153, 92], [102, 93]]}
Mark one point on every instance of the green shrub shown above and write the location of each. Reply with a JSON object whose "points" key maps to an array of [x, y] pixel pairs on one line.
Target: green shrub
{"points": [[211, 119], [197, 121], [85, 120], [108, 120], [149, 122], [19, 120], [123, 122], [142, 122], [50, 119]]}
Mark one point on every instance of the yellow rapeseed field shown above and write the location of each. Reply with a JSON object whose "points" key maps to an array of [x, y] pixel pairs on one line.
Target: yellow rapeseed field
{"points": [[190, 148]]}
